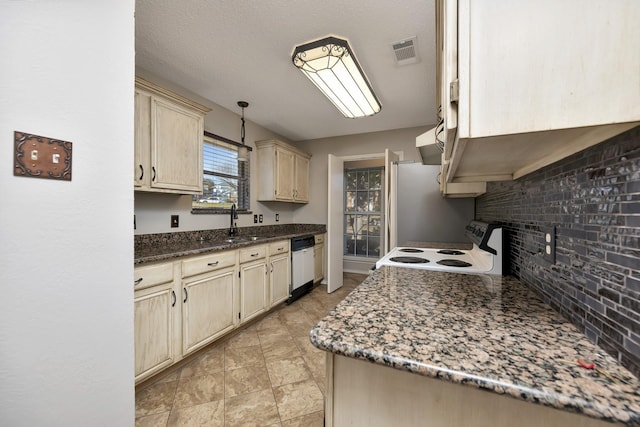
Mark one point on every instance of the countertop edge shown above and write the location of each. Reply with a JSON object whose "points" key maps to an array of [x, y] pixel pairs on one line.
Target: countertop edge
{"points": [[327, 339], [526, 394]]}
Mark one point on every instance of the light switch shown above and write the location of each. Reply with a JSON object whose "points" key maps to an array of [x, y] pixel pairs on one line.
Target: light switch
{"points": [[36, 156]]}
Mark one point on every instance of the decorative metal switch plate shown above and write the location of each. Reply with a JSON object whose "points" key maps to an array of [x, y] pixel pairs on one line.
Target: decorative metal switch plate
{"points": [[41, 157]]}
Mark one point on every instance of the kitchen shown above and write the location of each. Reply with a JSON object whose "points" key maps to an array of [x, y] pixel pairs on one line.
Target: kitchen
{"points": [[68, 346]]}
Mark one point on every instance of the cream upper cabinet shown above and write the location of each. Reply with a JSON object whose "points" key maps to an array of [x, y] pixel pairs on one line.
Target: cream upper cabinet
{"points": [[283, 172], [284, 169], [524, 84], [156, 320], [168, 141], [279, 272], [301, 179]]}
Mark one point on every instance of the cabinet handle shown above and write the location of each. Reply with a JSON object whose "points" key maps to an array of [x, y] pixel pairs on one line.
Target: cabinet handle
{"points": [[137, 282], [141, 172], [281, 249], [153, 169], [256, 254], [186, 295], [173, 294], [213, 264]]}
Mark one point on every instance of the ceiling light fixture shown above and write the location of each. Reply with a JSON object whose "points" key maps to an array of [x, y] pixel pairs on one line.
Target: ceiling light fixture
{"points": [[243, 152], [331, 65]]}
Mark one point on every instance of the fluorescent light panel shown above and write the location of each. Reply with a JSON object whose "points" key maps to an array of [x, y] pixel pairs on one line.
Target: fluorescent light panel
{"points": [[331, 65]]}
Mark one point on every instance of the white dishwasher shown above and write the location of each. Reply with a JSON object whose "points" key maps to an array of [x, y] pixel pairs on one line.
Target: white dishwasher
{"points": [[302, 266]]}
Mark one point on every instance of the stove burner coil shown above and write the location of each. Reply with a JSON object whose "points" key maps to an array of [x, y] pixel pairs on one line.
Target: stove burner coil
{"points": [[450, 252], [454, 263], [411, 250], [409, 260]]}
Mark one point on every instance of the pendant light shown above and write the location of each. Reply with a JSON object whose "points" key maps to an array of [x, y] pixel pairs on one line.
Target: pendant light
{"points": [[243, 152]]}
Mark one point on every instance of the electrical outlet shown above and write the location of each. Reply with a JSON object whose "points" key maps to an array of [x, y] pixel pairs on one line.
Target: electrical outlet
{"points": [[255, 218], [277, 217], [175, 221], [260, 218], [550, 244]]}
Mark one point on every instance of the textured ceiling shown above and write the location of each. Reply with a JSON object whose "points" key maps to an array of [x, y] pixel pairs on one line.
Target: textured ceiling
{"points": [[231, 50]]}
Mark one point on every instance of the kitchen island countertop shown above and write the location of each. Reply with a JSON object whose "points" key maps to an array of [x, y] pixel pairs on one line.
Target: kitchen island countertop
{"points": [[487, 332]]}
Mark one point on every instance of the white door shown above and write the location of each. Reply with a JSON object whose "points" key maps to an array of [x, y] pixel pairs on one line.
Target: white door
{"points": [[390, 200], [335, 218]]}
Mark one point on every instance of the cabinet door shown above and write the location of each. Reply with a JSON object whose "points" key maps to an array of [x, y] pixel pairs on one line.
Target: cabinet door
{"points": [[285, 165], [279, 278], [318, 262], [154, 316], [301, 179], [253, 289], [176, 147], [208, 308], [142, 139]]}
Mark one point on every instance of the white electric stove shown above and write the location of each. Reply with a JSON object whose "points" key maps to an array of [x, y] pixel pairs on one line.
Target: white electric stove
{"points": [[485, 257]]}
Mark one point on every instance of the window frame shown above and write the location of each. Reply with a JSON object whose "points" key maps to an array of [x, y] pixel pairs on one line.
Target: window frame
{"points": [[367, 214], [244, 174]]}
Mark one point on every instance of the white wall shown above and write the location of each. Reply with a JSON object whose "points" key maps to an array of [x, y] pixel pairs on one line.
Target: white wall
{"points": [[351, 145], [66, 248], [153, 211]]}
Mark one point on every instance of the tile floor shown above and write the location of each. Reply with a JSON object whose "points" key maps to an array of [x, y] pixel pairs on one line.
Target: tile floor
{"points": [[268, 374]]}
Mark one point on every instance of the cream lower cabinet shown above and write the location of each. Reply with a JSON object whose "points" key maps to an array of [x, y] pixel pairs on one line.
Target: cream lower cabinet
{"points": [[253, 282], [279, 272], [209, 299], [156, 319], [318, 258], [184, 305]]}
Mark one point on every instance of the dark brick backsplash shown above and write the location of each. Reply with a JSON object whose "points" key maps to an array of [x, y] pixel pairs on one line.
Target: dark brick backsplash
{"points": [[593, 200]]}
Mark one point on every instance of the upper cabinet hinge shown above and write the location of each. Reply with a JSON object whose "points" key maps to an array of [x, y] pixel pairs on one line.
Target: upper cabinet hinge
{"points": [[454, 91]]}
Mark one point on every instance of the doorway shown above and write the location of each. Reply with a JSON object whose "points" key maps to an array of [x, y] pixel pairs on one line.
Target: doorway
{"points": [[336, 212], [363, 238]]}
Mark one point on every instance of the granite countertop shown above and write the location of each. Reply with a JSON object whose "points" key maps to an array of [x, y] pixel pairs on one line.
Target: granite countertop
{"points": [[488, 332], [168, 246]]}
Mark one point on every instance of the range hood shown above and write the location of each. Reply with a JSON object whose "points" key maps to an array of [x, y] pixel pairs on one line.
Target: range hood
{"points": [[429, 149]]}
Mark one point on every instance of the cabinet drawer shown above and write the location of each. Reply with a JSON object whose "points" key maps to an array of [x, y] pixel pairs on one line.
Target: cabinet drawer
{"points": [[150, 275], [319, 238], [252, 253], [205, 263], [281, 247]]}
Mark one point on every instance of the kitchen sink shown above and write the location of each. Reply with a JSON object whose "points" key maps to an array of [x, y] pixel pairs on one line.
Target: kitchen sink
{"points": [[243, 239]]}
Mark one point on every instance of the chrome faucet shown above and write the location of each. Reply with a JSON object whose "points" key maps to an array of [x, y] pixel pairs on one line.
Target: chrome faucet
{"points": [[233, 228]]}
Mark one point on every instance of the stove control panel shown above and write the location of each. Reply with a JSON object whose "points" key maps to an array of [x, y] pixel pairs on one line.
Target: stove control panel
{"points": [[480, 233]]}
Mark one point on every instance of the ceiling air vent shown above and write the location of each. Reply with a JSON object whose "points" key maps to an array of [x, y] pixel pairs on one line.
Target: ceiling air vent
{"points": [[405, 51]]}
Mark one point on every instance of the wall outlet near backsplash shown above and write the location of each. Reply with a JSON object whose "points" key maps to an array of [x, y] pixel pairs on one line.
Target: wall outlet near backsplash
{"points": [[549, 252], [175, 221]]}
